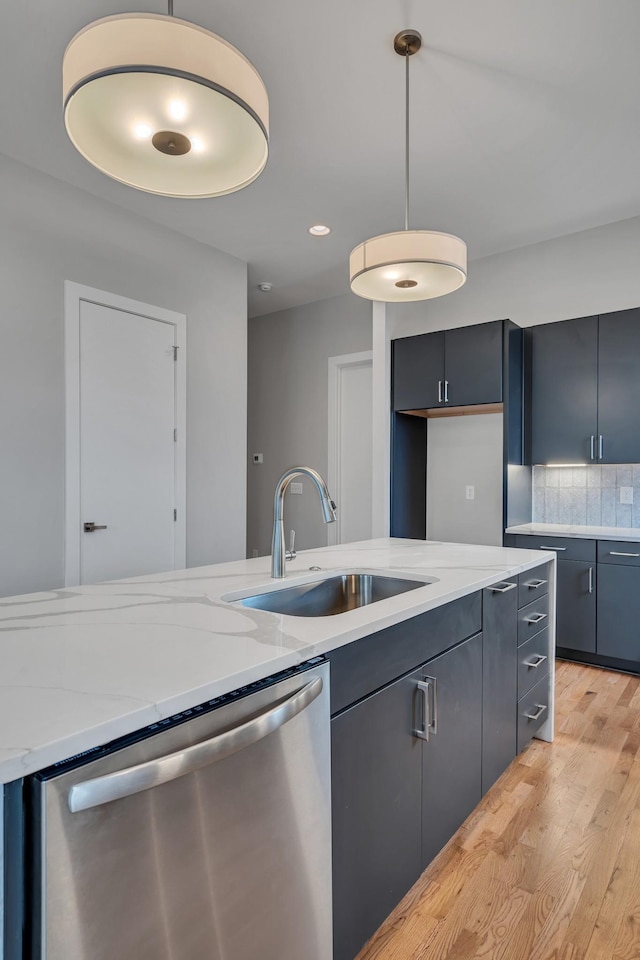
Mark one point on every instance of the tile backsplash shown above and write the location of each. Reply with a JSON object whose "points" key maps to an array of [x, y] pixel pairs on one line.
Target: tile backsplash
{"points": [[586, 495]]}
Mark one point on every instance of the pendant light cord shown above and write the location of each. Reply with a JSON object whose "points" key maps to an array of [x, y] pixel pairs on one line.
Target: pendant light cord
{"points": [[406, 143]]}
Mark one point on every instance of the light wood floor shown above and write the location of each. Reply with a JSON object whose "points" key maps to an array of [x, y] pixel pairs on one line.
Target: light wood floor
{"points": [[548, 866]]}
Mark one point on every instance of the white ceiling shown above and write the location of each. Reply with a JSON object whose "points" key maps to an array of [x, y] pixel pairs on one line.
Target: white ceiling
{"points": [[525, 124]]}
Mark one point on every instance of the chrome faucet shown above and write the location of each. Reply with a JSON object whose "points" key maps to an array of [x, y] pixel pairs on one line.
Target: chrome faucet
{"points": [[278, 554]]}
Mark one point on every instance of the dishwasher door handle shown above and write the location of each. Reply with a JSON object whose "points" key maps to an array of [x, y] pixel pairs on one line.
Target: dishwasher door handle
{"points": [[144, 776]]}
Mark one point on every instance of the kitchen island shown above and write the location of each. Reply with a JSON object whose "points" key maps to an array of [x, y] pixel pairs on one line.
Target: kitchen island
{"points": [[83, 666]]}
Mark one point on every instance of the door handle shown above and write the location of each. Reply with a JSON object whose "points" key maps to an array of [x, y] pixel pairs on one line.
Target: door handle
{"points": [[144, 776], [600, 446], [90, 527], [504, 588], [439, 391], [620, 553], [536, 584], [592, 447], [429, 725], [544, 546], [590, 580], [446, 391]]}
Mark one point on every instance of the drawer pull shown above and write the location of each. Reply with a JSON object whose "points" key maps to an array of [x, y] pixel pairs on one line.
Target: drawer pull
{"points": [[539, 660], [619, 553], [504, 588], [590, 580], [536, 716], [544, 546], [535, 584], [536, 618]]}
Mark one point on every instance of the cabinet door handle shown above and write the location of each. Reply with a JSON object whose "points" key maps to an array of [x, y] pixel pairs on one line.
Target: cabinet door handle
{"points": [[535, 584], [543, 546], [600, 446], [446, 391], [590, 579], [593, 447], [619, 553], [439, 391], [536, 618], [504, 588], [429, 724], [536, 662], [536, 716], [89, 526]]}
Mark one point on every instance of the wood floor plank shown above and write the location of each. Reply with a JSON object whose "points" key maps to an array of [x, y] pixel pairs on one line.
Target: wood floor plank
{"points": [[548, 866]]}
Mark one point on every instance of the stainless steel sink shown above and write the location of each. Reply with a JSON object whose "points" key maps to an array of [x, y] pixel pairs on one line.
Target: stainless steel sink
{"points": [[335, 594]]}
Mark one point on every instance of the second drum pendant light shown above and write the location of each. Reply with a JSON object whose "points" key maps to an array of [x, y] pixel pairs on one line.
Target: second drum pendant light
{"points": [[408, 264]]}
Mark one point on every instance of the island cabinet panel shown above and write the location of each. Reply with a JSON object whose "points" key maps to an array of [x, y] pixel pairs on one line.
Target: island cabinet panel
{"points": [[499, 678], [562, 362], [418, 371], [366, 665], [619, 387], [452, 757], [376, 798]]}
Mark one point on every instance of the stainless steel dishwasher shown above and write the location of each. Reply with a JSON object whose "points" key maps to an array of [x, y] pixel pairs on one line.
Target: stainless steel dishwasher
{"points": [[203, 837]]}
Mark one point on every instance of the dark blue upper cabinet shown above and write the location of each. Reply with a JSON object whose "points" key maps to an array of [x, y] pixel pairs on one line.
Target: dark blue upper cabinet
{"points": [[619, 387], [418, 371], [562, 368], [473, 364], [584, 380], [459, 367]]}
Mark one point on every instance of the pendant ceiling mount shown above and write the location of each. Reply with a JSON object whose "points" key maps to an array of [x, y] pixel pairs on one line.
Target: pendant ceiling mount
{"points": [[165, 106], [408, 264]]}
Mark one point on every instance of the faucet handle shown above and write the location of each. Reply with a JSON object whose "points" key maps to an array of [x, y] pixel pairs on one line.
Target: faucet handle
{"points": [[291, 553]]}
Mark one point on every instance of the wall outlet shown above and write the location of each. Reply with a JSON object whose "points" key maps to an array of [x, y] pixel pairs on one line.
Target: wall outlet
{"points": [[469, 493], [626, 494], [296, 488], [258, 458]]}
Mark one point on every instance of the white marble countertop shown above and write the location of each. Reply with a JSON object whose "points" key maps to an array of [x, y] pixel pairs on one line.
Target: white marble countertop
{"points": [[84, 665], [628, 534]]}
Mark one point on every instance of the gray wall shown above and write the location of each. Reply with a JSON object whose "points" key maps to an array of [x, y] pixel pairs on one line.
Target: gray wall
{"points": [[584, 273], [288, 407], [465, 451], [51, 232]]}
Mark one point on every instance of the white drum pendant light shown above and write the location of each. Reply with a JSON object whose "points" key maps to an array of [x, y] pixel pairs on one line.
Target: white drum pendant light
{"points": [[409, 264], [165, 106]]}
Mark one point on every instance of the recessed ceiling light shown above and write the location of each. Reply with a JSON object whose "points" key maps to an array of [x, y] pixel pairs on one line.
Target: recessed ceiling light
{"points": [[265, 287], [319, 230]]}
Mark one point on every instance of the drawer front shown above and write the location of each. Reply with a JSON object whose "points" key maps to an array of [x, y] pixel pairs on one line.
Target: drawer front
{"points": [[533, 584], [567, 548], [532, 619], [617, 551], [533, 661], [533, 710]]}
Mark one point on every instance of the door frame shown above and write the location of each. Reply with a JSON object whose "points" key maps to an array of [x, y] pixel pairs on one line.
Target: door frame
{"points": [[74, 295], [334, 465]]}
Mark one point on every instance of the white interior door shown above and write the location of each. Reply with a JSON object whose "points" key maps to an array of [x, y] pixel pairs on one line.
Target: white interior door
{"points": [[127, 451], [350, 446]]}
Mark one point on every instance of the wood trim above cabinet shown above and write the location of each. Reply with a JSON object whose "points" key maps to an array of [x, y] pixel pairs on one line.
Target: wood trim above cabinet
{"points": [[470, 411]]}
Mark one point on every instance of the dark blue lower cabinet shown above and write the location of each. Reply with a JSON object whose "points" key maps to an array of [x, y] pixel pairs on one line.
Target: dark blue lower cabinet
{"points": [[406, 772], [452, 757], [376, 774]]}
